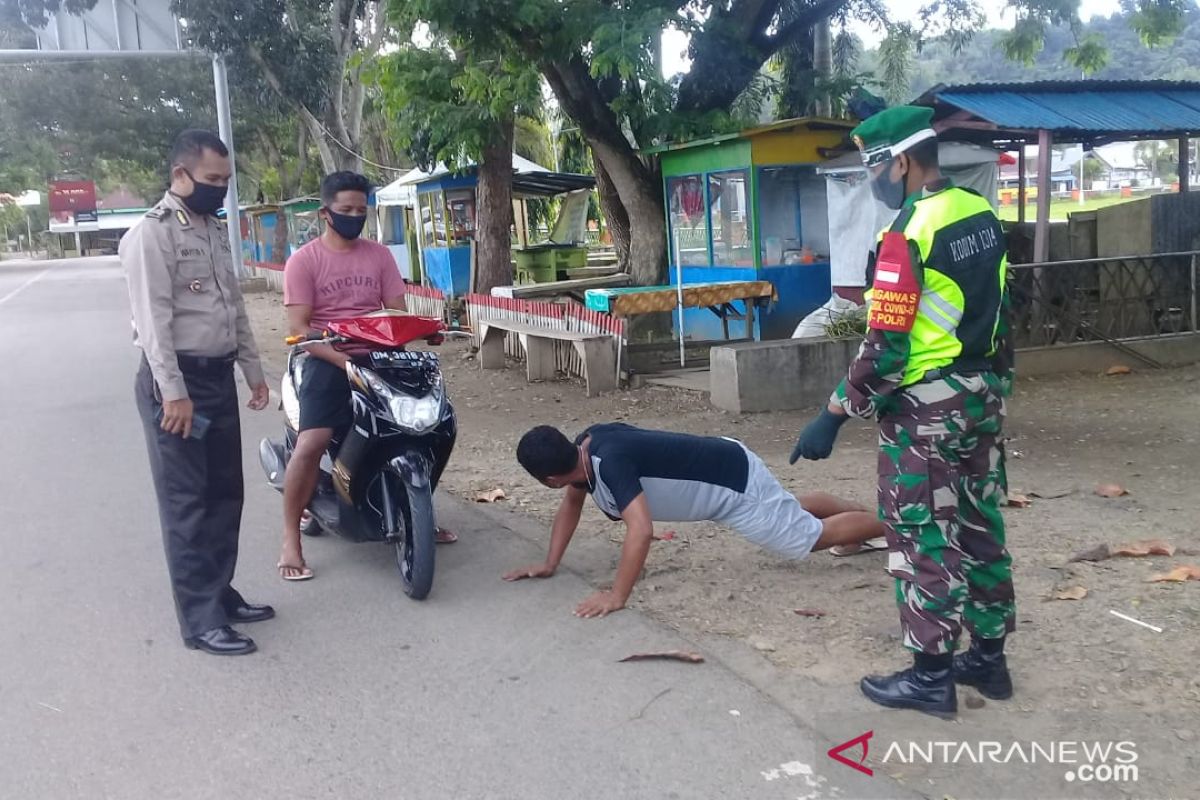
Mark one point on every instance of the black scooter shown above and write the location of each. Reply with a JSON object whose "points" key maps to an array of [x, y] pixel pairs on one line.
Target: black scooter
{"points": [[378, 477]]}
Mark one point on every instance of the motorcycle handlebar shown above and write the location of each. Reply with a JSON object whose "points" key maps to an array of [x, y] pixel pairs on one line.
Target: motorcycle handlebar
{"points": [[316, 337]]}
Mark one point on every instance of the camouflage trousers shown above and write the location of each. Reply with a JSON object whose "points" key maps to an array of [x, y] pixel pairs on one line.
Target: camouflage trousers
{"points": [[941, 484]]}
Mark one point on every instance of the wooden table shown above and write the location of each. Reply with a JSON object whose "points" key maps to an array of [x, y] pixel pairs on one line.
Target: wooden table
{"points": [[716, 297]]}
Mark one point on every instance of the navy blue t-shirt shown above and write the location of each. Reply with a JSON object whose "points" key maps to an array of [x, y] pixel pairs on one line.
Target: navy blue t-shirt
{"points": [[685, 478]]}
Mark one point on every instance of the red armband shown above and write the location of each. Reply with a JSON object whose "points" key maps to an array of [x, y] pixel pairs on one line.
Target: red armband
{"points": [[895, 294]]}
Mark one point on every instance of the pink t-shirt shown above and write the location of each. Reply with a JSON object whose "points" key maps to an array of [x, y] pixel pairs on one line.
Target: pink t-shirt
{"points": [[340, 285]]}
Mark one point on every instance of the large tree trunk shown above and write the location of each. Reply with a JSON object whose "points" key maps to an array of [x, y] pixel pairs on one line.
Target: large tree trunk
{"points": [[616, 218], [637, 185], [494, 212], [279, 249]]}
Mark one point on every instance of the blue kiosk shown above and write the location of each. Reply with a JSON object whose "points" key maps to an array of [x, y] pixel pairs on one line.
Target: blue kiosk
{"points": [[750, 206], [445, 214]]}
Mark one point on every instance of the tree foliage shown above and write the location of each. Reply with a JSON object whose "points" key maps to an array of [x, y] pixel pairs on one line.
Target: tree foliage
{"points": [[446, 104], [311, 53], [458, 104], [75, 117], [1129, 58]]}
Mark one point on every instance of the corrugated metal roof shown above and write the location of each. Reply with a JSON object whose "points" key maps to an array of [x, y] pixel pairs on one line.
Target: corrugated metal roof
{"points": [[1089, 107]]}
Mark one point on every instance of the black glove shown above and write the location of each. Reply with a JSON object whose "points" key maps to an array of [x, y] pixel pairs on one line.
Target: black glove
{"points": [[816, 440]]}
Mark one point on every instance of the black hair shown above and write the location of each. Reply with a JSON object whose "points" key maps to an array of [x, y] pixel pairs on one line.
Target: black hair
{"points": [[545, 452], [189, 147], [924, 153], [344, 181]]}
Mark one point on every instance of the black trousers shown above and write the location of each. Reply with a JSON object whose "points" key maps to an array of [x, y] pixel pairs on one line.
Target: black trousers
{"points": [[200, 491]]}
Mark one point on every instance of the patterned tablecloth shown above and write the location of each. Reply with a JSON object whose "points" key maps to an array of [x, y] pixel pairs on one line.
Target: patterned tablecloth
{"points": [[652, 299]]}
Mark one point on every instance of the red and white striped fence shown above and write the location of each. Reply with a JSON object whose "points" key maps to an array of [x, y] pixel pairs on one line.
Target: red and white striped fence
{"points": [[568, 316], [425, 301]]}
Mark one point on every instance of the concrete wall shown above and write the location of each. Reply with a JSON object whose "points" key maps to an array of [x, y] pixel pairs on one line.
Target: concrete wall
{"points": [[1125, 229], [1170, 351], [778, 375], [800, 373]]}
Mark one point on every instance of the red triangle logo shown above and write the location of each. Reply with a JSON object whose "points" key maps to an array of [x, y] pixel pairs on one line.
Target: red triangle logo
{"points": [[836, 752]]}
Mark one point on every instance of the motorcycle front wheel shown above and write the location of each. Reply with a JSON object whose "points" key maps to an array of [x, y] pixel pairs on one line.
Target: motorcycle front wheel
{"points": [[415, 550]]}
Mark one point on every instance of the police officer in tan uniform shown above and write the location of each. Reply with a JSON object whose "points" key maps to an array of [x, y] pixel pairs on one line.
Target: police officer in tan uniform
{"points": [[190, 323]]}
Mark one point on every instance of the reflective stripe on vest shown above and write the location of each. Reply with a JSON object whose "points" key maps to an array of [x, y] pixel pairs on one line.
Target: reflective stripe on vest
{"points": [[934, 342]]}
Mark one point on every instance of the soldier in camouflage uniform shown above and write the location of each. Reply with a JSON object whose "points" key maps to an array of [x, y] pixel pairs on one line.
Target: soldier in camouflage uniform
{"points": [[934, 370]]}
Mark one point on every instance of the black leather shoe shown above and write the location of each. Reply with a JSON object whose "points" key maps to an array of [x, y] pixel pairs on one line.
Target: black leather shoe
{"points": [[931, 691], [249, 613], [988, 673], [222, 641]]}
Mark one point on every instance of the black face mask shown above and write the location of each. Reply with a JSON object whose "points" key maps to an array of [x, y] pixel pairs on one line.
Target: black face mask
{"points": [[346, 226], [888, 191], [206, 198]]}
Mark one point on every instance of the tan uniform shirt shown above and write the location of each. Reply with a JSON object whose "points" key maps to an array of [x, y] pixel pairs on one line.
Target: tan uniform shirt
{"points": [[185, 294]]}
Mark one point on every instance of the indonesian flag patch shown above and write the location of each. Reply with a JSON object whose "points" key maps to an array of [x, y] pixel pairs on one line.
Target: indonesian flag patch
{"points": [[895, 293]]}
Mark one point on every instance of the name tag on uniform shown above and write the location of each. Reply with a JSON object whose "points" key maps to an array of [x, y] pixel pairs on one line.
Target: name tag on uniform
{"points": [[192, 252]]}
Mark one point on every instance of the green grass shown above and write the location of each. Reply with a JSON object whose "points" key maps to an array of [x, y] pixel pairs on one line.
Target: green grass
{"points": [[1060, 208]]}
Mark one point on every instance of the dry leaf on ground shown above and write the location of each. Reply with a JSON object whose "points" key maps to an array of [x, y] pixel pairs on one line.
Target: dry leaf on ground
{"points": [[1138, 549], [1111, 490], [669, 655], [1144, 547], [1187, 572], [1074, 593], [1019, 501], [491, 496], [1118, 369], [809, 612]]}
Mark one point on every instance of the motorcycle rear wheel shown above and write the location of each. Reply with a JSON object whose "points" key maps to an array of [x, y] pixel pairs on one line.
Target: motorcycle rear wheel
{"points": [[415, 551]]}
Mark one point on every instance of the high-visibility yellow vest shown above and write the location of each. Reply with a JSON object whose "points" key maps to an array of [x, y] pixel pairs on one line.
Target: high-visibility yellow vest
{"points": [[963, 261]]}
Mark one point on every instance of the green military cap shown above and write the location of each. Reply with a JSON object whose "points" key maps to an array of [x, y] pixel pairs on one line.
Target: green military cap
{"points": [[892, 131]]}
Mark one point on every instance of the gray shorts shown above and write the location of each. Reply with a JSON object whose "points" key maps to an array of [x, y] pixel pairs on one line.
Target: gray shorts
{"points": [[771, 516]]}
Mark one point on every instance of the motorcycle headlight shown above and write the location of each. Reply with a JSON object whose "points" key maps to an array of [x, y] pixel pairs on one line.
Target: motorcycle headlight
{"points": [[415, 413]]}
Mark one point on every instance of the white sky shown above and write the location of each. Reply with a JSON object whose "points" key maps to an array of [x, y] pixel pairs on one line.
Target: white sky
{"points": [[998, 11]]}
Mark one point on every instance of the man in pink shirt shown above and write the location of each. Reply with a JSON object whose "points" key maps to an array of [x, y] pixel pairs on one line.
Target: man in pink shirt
{"points": [[336, 276]]}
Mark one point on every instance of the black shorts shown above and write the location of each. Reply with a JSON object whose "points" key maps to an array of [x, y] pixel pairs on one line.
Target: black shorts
{"points": [[324, 396]]}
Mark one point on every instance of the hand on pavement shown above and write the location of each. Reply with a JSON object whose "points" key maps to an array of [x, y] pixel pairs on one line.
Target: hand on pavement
{"points": [[532, 571], [600, 604], [261, 395], [816, 440]]}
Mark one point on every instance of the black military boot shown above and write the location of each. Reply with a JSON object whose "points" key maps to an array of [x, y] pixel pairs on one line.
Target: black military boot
{"points": [[927, 686], [984, 667]]}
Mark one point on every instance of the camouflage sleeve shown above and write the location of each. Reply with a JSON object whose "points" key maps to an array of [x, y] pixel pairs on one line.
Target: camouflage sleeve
{"points": [[878, 369], [874, 374], [1004, 358]]}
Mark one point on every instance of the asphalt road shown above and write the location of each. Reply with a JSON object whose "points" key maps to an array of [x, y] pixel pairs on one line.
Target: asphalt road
{"points": [[486, 690]]}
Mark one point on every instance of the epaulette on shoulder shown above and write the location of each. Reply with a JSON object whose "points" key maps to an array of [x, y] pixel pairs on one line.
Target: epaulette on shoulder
{"points": [[158, 212]]}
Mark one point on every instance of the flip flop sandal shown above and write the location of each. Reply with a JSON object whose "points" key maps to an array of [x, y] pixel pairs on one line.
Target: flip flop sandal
{"points": [[305, 574], [869, 546]]}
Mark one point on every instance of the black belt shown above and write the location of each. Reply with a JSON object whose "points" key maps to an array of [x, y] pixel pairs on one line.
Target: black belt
{"points": [[205, 364], [966, 366]]}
